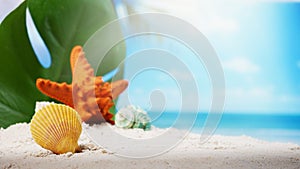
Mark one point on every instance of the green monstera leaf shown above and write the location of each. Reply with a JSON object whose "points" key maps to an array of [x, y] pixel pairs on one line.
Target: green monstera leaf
{"points": [[18, 69], [62, 25]]}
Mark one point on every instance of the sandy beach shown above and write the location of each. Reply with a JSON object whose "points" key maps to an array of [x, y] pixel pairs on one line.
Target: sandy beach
{"points": [[18, 150]]}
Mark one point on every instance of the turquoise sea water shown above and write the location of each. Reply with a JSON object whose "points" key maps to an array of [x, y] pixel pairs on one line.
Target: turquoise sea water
{"points": [[269, 127]]}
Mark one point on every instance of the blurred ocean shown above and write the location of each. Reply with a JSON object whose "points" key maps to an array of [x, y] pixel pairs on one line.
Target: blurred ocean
{"points": [[269, 127]]}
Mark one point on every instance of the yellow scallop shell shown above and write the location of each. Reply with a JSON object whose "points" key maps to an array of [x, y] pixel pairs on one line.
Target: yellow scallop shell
{"points": [[56, 127]]}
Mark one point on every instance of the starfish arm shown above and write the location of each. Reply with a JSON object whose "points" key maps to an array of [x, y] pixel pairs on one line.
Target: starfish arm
{"points": [[74, 56], [118, 87], [59, 91], [84, 84], [81, 69]]}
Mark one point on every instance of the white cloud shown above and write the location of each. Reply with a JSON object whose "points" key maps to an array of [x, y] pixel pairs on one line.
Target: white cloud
{"points": [[260, 99], [208, 16], [254, 99], [219, 24], [241, 65], [250, 93]]}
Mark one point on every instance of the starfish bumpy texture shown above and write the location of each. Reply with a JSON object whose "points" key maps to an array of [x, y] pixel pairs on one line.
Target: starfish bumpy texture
{"points": [[88, 95]]}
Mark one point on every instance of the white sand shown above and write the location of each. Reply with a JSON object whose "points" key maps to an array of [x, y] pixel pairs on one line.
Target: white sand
{"points": [[18, 150]]}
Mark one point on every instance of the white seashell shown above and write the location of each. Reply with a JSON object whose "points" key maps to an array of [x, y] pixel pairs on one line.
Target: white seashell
{"points": [[142, 120], [124, 119], [132, 117]]}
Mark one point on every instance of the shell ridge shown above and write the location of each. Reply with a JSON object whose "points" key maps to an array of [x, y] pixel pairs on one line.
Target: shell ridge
{"points": [[50, 116], [43, 125], [37, 132], [59, 120]]}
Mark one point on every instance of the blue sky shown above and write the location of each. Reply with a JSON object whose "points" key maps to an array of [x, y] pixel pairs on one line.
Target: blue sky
{"points": [[258, 44], [261, 60]]}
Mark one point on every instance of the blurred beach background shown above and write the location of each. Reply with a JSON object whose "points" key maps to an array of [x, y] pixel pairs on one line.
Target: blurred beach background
{"points": [[258, 44]]}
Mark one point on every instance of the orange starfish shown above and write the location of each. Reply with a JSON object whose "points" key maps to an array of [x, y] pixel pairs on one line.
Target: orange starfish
{"points": [[89, 95]]}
